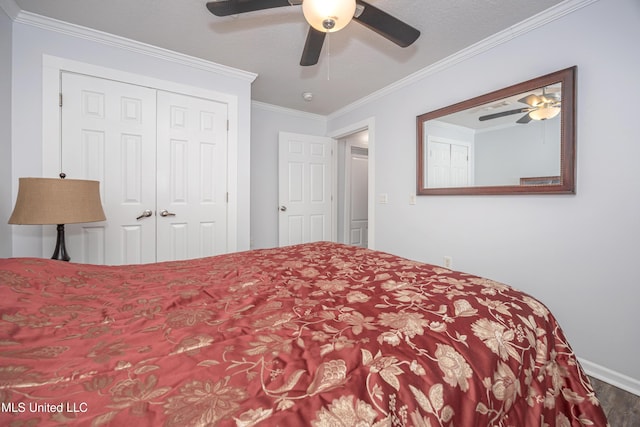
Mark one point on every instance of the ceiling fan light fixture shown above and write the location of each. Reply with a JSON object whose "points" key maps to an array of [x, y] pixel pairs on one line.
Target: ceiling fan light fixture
{"points": [[328, 15], [544, 113]]}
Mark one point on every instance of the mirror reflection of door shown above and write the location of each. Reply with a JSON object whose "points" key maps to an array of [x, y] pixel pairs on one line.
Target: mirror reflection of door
{"points": [[353, 188], [448, 163]]}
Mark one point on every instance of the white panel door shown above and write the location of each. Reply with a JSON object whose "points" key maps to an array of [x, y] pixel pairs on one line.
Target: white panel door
{"points": [[304, 188], [109, 135], [438, 164], [448, 164], [459, 165], [192, 177]]}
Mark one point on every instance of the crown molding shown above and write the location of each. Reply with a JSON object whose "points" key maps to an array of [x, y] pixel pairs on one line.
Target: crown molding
{"points": [[530, 24], [10, 8], [107, 39], [288, 111]]}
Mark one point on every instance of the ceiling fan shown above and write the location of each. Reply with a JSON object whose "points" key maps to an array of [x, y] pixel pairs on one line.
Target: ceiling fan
{"points": [[326, 16], [540, 107]]}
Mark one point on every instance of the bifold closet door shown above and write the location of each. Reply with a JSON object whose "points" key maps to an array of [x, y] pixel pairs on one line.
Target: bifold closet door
{"points": [[109, 135], [191, 177], [448, 164], [161, 159]]}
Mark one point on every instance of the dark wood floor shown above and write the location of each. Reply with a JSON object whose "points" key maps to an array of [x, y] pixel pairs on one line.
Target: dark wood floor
{"points": [[622, 408]]}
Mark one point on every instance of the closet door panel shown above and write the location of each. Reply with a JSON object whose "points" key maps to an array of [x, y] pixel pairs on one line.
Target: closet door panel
{"points": [[109, 135], [192, 177]]}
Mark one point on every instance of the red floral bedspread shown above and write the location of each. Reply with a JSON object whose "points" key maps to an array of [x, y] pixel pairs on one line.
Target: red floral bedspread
{"points": [[310, 335]]}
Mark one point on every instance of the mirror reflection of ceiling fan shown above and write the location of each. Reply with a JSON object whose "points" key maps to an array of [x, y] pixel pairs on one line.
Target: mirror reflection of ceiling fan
{"points": [[540, 107], [325, 16]]}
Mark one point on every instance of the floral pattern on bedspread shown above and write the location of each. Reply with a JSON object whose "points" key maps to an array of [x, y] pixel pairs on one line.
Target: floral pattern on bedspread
{"points": [[318, 334]]}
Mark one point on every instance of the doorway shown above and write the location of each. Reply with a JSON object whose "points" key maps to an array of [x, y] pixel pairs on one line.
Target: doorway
{"points": [[367, 128], [353, 189]]}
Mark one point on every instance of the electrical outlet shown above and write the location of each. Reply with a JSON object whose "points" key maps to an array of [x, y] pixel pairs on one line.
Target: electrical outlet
{"points": [[448, 262]]}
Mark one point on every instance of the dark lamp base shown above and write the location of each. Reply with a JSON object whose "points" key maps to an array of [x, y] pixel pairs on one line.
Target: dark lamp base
{"points": [[60, 253]]}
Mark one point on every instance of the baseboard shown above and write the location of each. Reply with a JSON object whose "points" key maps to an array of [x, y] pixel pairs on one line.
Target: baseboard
{"points": [[614, 378]]}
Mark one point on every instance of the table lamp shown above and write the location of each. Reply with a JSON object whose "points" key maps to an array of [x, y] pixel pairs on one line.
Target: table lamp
{"points": [[62, 201]]}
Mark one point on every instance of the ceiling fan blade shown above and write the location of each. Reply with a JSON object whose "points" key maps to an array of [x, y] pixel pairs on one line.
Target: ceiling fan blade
{"points": [[525, 119], [312, 47], [386, 25], [234, 7], [503, 114]]}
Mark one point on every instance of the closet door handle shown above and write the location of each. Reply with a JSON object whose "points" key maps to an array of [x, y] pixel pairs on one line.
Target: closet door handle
{"points": [[147, 213], [165, 212]]}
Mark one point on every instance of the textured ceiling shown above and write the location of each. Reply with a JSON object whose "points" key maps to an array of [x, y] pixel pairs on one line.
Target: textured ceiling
{"points": [[355, 61]]}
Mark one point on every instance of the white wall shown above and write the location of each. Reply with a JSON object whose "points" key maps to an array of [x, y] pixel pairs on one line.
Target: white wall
{"points": [[34, 37], [5, 134], [576, 253], [266, 122], [503, 156]]}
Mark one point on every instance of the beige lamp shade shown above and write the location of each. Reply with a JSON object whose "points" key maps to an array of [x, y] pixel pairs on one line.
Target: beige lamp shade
{"points": [[57, 201]]}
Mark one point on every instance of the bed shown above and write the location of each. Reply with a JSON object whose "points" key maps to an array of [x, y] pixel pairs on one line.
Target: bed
{"points": [[317, 334]]}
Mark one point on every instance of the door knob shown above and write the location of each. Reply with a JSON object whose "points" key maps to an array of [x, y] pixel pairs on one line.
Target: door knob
{"points": [[165, 212], [147, 213], [283, 208]]}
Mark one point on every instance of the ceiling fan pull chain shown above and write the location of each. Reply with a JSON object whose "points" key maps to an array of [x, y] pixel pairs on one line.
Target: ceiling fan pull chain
{"points": [[328, 56]]}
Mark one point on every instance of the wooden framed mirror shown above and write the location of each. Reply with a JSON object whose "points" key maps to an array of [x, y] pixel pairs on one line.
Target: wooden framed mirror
{"points": [[516, 140]]}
